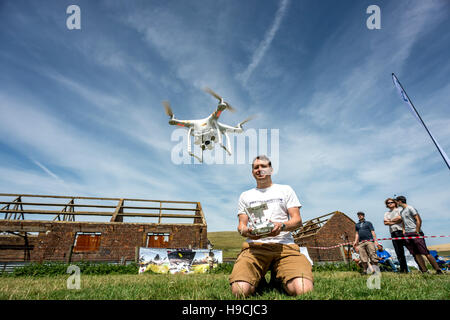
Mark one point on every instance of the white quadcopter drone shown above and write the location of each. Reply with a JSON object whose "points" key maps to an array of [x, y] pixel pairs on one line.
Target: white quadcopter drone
{"points": [[208, 130]]}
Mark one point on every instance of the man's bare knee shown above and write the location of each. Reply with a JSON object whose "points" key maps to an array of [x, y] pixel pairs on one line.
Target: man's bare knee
{"points": [[242, 289], [298, 286]]}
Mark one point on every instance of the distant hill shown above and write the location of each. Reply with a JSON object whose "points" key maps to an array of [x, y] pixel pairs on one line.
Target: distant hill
{"points": [[230, 242], [440, 247]]}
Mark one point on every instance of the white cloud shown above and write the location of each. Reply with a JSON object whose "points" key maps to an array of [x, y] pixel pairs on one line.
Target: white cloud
{"points": [[265, 43]]}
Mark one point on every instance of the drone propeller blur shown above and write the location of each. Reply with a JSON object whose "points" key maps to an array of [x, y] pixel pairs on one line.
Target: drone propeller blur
{"points": [[209, 130]]}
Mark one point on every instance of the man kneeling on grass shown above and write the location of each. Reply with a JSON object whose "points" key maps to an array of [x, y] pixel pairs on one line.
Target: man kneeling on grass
{"points": [[277, 249]]}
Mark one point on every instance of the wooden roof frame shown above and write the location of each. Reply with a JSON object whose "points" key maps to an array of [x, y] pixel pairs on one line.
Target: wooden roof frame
{"points": [[15, 210], [312, 227]]}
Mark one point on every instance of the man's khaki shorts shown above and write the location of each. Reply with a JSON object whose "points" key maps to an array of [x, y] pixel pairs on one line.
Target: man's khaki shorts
{"points": [[368, 252], [255, 259]]}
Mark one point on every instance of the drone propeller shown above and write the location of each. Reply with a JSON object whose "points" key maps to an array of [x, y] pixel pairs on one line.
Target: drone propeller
{"points": [[211, 92], [215, 95], [246, 120], [168, 108]]}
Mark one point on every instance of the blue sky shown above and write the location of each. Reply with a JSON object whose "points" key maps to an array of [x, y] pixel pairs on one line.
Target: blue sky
{"points": [[81, 110]]}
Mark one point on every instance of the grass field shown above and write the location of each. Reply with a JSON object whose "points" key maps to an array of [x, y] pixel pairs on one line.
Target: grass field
{"points": [[328, 285], [229, 242]]}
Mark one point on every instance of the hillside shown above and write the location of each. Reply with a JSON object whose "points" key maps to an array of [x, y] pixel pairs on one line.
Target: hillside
{"points": [[229, 242], [440, 247]]}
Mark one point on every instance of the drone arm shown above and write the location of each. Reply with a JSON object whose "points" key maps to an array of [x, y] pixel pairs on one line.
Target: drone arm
{"points": [[180, 123], [216, 114], [229, 129]]}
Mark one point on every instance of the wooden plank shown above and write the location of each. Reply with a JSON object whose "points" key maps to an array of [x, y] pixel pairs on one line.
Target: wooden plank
{"points": [[95, 206], [119, 209], [100, 213], [90, 198]]}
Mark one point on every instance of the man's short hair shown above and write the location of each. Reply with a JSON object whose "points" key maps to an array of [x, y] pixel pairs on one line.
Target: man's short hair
{"points": [[263, 158], [401, 199], [361, 214]]}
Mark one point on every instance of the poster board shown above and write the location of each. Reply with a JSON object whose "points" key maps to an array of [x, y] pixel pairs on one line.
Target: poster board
{"points": [[166, 260]]}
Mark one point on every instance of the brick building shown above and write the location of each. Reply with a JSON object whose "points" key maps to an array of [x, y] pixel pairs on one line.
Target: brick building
{"points": [[326, 231], [25, 238]]}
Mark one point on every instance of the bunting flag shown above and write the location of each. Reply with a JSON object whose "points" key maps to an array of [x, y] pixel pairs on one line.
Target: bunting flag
{"points": [[406, 99]]}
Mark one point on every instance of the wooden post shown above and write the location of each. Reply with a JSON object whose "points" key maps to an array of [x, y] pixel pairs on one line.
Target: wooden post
{"points": [[160, 212], [69, 254], [119, 209], [136, 254], [343, 253]]}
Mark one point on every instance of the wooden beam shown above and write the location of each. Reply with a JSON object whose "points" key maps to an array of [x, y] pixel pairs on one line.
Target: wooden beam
{"points": [[91, 198], [101, 213], [97, 206], [119, 209]]}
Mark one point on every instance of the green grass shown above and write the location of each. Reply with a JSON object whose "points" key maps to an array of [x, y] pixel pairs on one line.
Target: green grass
{"points": [[103, 282], [59, 268], [335, 285], [444, 253], [230, 242]]}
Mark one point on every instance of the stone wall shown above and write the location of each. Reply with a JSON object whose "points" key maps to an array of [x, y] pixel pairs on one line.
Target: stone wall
{"points": [[53, 241]]}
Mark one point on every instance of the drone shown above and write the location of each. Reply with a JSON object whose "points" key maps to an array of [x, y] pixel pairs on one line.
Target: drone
{"points": [[209, 130]]}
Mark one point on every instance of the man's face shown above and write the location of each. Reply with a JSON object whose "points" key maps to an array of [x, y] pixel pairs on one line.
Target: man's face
{"points": [[261, 169], [360, 217]]}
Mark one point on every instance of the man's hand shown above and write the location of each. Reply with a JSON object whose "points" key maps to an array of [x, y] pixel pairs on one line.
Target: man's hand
{"points": [[247, 232], [276, 229]]}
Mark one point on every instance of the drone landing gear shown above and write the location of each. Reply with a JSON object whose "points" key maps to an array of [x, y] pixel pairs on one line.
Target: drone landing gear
{"points": [[193, 155], [219, 135], [189, 146]]}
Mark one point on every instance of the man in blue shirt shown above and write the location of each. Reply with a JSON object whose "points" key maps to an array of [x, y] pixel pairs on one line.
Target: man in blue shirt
{"points": [[385, 258], [365, 241]]}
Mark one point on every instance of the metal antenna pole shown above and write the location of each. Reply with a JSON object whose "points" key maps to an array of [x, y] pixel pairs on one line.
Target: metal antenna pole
{"points": [[423, 123]]}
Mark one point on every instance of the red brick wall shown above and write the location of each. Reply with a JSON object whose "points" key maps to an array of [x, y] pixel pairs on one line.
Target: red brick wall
{"points": [[332, 233], [118, 239]]}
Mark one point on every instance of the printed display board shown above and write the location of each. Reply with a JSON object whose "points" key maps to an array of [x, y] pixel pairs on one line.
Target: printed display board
{"points": [[165, 260]]}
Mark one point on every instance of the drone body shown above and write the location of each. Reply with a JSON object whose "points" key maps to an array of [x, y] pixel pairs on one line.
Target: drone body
{"points": [[209, 130]]}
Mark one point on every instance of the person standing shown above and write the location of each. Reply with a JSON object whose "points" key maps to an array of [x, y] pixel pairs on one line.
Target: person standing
{"points": [[393, 219], [365, 242], [276, 249], [411, 225]]}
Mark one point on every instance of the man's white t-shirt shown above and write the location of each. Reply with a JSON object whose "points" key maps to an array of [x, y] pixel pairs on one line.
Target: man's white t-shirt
{"points": [[279, 198]]}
